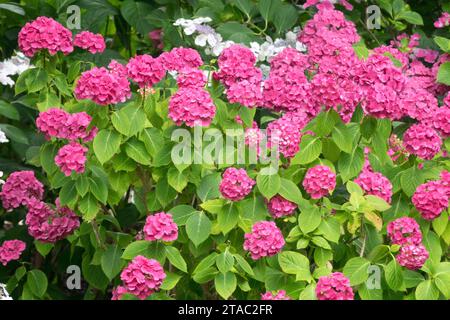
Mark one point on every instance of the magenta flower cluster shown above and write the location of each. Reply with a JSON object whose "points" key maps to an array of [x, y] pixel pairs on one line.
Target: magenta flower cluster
{"points": [[374, 183], [160, 226], [92, 42], [334, 287], [71, 157], [431, 199], [319, 181], [48, 224], [11, 250], [404, 230], [235, 184], [280, 207], [412, 256], [20, 189], [142, 277], [265, 240], [279, 295]]}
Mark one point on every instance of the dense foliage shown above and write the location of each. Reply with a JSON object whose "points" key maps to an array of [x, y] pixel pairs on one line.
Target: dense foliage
{"points": [[225, 149]]}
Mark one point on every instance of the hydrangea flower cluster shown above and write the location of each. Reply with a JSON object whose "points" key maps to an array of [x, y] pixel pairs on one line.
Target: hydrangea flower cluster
{"points": [[374, 183], [284, 135], [280, 207], [103, 86], [430, 199], [11, 250], [58, 123], [160, 226], [422, 141], [440, 121], [334, 287], [412, 256], [49, 225], [181, 58], [145, 70], [443, 21], [142, 277], [20, 189], [92, 42], [191, 78], [45, 33], [235, 184], [71, 157], [319, 181], [118, 293], [279, 295], [265, 240], [404, 230]]}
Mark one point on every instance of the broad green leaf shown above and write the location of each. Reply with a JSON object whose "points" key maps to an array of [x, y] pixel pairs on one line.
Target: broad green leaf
{"points": [[228, 217], [136, 248], [225, 261], [356, 270], [427, 290], [290, 191], [135, 149], [111, 263], [176, 179], [268, 185], [444, 73], [310, 149], [8, 110], [106, 144], [37, 282], [198, 228], [343, 137], [293, 262], [394, 275], [89, 207], [351, 164], [209, 187], [225, 284], [181, 213], [129, 120], [175, 258], [309, 219]]}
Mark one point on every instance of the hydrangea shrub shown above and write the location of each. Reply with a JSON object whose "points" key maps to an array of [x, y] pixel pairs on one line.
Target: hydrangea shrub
{"points": [[335, 185]]}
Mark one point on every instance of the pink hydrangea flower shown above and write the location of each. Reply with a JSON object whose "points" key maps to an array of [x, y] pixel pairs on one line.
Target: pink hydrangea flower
{"points": [[319, 181], [418, 103], [404, 230], [445, 181], [412, 256], [334, 287], [118, 292], [430, 199], [422, 141], [443, 21], [265, 240], [181, 58], [52, 122], [280, 207], [11, 250], [93, 42], [279, 295], [160, 226], [77, 127], [236, 63], [49, 225], [284, 135], [45, 33], [117, 68], [103, 87], [145, 70], [142, 277], [71, 157], [193, 106], [20, 188], [253, 138], [440, 121], [374, 183], [191, 78], [156, 36], [235, 184], [246, 92]]}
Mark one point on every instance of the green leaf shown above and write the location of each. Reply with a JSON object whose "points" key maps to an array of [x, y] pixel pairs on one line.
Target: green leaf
{"points": [[14, 133], [245, 6], [175, 258], [198, 228], [111, 263], [321, 242], [82, 185], [170, 281], [350, 165], [427, 290], [225, 261], [394, 275], [310, 149], [268, 185], [181, 213], [225, 284], [68, 194], [412, 278], [235, 31], [253, 208], [135, 149], [440, 223], [228, 217], [330, 229], [177, 179], [135, 13], [136, 248], [89, 207], [268, 8], [309, 219], [36, 80], [244, 264], [129, 120], [444, 73], [153, 140], [443, 43], [411, 17], [37, 282], [377, 203], [343, 136], [8, 111], [43, 248], [98, 188], [285, 18], [106, 144], [294, 263], [47, 158], [209, 187], [290, 191], [356, 270]]}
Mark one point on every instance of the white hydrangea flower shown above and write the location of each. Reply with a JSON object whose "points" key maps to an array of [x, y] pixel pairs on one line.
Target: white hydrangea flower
{"points": [[12, 66], [3, 138], [4, 295], [1, 180]]}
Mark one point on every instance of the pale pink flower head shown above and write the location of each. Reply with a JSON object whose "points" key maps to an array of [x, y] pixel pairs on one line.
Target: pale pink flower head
{"points": [[280, 207], [93, 42], [102, 86], [404, 230], [44, 33], [284, 135], [265, 240], [334, 287], [235, 184], [145, 70], [319, 181], [118, 292], [49, 225], [20, 188], [180, 58], [52, 123], [11, 250], [71, 157], [160, 226], [422, 141], [192, 106], [279, 295], [374, 183], [191, 78], [142, 277], [430, 199], [412, 256]]}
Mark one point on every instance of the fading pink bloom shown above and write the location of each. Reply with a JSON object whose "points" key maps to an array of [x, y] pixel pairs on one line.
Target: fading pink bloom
{"points": [[265, 240], [284, 135], [278, 295], [443, 21], [157, 38], [145, 70], [280, 207], [430, 199], [422, 141], [191, 78], [180, 58], [192, 106], [374, 183], [118, 292]]}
